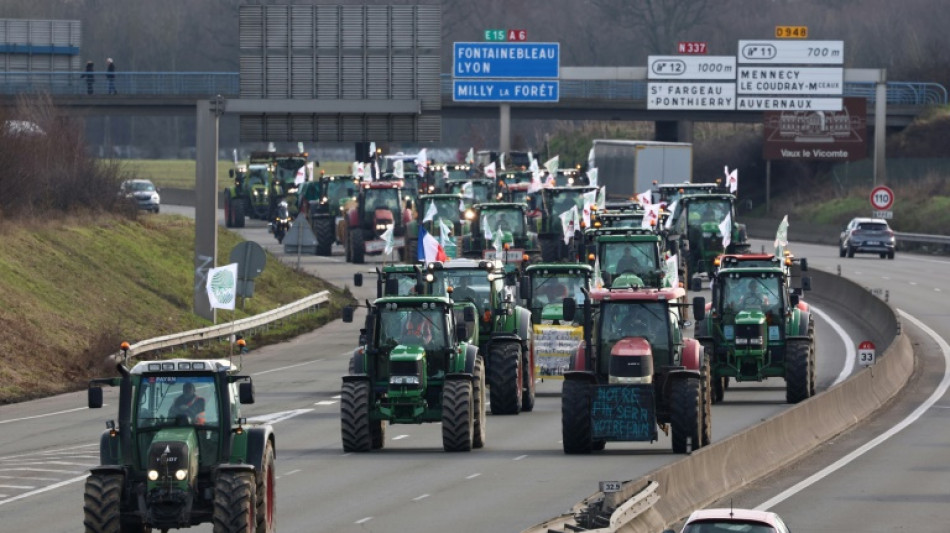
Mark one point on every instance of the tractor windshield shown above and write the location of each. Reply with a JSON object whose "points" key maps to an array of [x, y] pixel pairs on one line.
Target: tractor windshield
{"points": [[626, 319], [506, 220], [711, 210], [458, 173], [258, 175], [517, 177], [287, 169], [339, 191], [547, 290], [382, 199], [445, 208], [177, 400], [412, 326], [638, 258], [518, 197], [471, 285], [748, 293]]}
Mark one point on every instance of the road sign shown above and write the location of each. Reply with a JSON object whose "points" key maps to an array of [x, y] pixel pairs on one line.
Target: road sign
{"points": [[884, 214], [505, 90], [506, 60], [817, 135], [691, 67], [691, 95], [792, 52], [791, 80], [495, 35], [882, 198], [866, 353], [691, 47], [787, 103], [791, 32], [517, 35]]}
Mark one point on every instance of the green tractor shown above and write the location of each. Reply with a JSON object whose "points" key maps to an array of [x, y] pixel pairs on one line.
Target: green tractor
{"points": [[181, 454], [445, 212], [474, 190], [283, 184], [757, 326], [491, 225], [697, 220], [325, 200], [249, 196], [554, 201], [412, 367], [628, 257]]}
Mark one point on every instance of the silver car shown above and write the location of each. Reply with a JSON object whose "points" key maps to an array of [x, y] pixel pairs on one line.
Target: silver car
{"points": [[867, 236], [143, 193]]}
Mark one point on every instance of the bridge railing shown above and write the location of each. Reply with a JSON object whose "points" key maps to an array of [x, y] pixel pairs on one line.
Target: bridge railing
{"points": [[203, 84]]}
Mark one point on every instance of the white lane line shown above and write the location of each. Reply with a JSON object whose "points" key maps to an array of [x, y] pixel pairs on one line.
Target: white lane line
{"points": [[18, 487], [870, 445], [363, 520], [288, 367], [31, 469], [473, 476], [34, 417], [292, 472], [520, 457], [326, 402], [885, 277], [849, 346], [400, 437], [44, 489], [274, 418], [337, 397], [47, 463], [913, 283], [936, 289], [417, 498], [63, 450], [26, 478]]}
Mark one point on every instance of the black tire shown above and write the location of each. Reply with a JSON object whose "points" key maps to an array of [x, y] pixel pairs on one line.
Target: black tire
{"points": [[528, 393], [550, 248], [228, 217], [812, 351], [458, 420], [357, 246], [797, 380], [347, 253], [266, 512], [478, 437], [850, 251], [354, 417], [705, 398], [575, 418], [890, 255], [377, 429], [504, 381], [237, 213], [841, 251], [102, 503], [234, 502], [323, 229], [719, 389], [686, 415]]}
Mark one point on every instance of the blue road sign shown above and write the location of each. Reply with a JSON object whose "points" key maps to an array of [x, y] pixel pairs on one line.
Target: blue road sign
{"points": [[504, 91], [506, 60]]}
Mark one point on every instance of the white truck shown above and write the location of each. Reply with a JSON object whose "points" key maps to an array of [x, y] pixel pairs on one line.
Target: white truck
{"points": [[628, 168]]}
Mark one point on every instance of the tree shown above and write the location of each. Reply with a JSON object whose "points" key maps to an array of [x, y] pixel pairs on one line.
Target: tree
{"points": [[660, 22]]}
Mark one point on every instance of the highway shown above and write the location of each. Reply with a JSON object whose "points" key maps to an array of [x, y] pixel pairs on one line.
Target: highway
{"points": [[520, 478]]}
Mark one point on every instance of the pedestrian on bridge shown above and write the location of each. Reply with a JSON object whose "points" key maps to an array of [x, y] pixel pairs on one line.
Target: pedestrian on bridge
{"points": [[110, 75], [89, 77]]}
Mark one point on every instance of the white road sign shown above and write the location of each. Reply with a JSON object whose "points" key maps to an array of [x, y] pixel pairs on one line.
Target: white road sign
{"points": [[791, 52], [691, 68], [691, 95], [787, 103], [791, 80]]}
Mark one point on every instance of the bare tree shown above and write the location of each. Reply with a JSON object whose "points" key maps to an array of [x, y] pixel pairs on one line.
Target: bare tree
{"points": [[660, 22]]}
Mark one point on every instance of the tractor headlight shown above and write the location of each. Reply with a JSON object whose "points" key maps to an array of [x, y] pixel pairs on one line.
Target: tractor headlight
{"points": [[181, 474], [707, 234], [153, 475], [381, 227], [756, 341]]}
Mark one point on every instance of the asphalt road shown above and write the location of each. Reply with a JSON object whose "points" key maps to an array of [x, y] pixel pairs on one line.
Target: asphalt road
{"points": [[520, 478]]}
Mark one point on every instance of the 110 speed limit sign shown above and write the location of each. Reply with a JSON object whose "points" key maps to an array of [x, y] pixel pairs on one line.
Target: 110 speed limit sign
{"points": [[882, 198]]}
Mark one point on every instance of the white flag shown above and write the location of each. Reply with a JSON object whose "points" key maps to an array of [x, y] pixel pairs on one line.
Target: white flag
{"points": [[569, 220], [356, 168], [535, 185], [598, 281], [549, 182], [470, 156], [372, 150], [601, 198], [672, 210], [781, 236], [645, 198], [461, 206], [725, 228], [376, 168], [590, 199], [533, 164], [501, 161], [467, 191], [590, 158], [235, 157], [431, 212], [552, 165], [445, 237], [490, 170], [486, 231], [388, 238], [422, 161], [309, 170], [301, 175], [222, 286], [398, 170], [732, 179], [499, 243], [651, 216], [592, 177], [672, 271]]}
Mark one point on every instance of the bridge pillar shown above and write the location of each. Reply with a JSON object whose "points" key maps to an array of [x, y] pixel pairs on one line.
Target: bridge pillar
{"points": [[673, 130], [504, 135], [206, 200]]}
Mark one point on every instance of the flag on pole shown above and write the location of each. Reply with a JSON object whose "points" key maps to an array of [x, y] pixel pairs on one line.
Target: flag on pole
{"points": [[467, 191], [598, 281], [781, 236], [672, 210], [499, 243], [422, 160], [235, 156], [431, 212], [533, 164], [398, 169], [569, 220], [645, 198], [222, 286], [549, 182], [372, 150], [445, 237], [376, 168], [470, 156], [301, 175], [501, 161], [486, 232], [725, 228], [732, 179], [356, 168], [601, 198], [388, 238], [651, 216], [592, 177], [490, 170], [535, 184], [590, 158], [552, 165], [429, 249], [671, 271], [590, 199]]}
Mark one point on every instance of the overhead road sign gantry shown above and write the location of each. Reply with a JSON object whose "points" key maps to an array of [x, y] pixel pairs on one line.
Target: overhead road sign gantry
{"points": [[793, 80], [506, 60]]}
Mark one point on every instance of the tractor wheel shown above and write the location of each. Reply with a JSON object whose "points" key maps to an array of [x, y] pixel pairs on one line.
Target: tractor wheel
{"points": [[705, 381], [504, 380], [234, 502], [354, 417], [812, 367], [549, 249], [575, 417], [237, 213], [458, 420], [357, 246], [686, 415], [378, 430], [228, 222], [323, 229], [478, 437], [101, 503], [598, 445], [796, 371], [266, 512], [347, 254], [719, 389], [528, 392]]}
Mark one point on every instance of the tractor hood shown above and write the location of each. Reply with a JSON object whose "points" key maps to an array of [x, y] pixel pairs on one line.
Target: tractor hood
{"points": [[552, 312], [626, 281], [631, 361], [631, 346], [403, 352], [750, 317], [173, 455]]}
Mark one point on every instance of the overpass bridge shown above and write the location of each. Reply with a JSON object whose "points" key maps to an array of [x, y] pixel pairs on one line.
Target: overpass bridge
{"points": [[586, 93]]}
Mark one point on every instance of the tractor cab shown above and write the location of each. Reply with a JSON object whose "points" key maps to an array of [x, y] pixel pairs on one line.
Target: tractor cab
{"points": [[499, 231], [628, 258], [473, 190]]}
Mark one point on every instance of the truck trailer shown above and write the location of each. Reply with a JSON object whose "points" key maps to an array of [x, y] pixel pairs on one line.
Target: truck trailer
{"points": [[628, 168]]}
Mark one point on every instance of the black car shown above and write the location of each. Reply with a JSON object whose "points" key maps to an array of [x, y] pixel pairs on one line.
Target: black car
{"points": [[867, 236]]}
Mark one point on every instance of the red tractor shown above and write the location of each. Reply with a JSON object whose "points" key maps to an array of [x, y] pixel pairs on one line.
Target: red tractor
{"points": [[634, 372], [379, 205]]}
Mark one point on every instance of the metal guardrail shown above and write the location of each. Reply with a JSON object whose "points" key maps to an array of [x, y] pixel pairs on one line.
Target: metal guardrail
{"points": [[211, 333], [203, 84], [922, 238]]}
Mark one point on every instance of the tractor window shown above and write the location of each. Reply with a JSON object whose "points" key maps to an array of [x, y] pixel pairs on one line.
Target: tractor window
{"points": [[506, 220], [458, 174], [412, 327], [481, 192], [639, 258], [177, 400], [751, 294], [471, 285], [446, 208], [548, 290], [620, 320], [382, 199], [339, 191], [518, 197], [703, 211]]}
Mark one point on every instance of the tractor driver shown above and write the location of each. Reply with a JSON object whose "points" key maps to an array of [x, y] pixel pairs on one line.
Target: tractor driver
{"points": [[553, 291], [419, 329], [628, 263], [502, 222], [189, 404], [754, 297]]}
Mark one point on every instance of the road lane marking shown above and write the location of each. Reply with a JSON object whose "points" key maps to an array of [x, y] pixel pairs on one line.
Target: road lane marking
{"points": [[288, 367], [363, 520], [520, 457], [400, 437], [48, 488], [274, 418], [28, 478], [31, 469], [34, 417], [325, 402], [873, 443], [473, 476], [850, 353], [18, 487], [417, 498], [61, 450]]}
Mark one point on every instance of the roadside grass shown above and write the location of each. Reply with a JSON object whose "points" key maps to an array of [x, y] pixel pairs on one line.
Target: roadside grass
{"points": [[180, 173], [72, 290]]}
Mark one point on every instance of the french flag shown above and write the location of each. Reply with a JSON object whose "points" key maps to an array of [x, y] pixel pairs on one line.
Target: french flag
{"points": [[429, 249]]}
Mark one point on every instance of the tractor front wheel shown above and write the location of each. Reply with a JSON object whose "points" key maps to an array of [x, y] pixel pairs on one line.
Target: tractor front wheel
{"points": [[354, 417], [101, 503], [686, 415], [458, 420], [478, 438], [357, 246], [504, 377], [234, 502], [323, 230], [267, 494], [797, 380], [575, 417]]}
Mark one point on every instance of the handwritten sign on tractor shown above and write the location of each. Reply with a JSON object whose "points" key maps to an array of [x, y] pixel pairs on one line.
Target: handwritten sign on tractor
{"points": [[623, 413]]}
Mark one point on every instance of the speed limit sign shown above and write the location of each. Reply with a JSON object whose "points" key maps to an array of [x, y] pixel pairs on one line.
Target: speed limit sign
{"points": [[882, 198]]}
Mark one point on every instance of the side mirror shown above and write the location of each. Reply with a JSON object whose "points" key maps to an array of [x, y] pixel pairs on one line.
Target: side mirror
{"points": [[348, 314], [524, 289], [806, 283], [358, 279], [699, 308], [461, 332], [246, 392], [392, 287], [804, 264], [569, 309], [468, 314], [793, 300], [94, 395]]}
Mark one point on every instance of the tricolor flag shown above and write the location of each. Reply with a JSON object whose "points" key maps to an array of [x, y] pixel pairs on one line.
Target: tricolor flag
{"points": [[725, 228], [429, 249], [732, 179]]}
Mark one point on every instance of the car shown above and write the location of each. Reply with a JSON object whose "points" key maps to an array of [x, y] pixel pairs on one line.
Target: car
{"points": [[143, 193], [730, 520], [867, 236]]}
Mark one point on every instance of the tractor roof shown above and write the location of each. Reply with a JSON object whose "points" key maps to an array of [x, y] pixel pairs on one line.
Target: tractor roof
{"points": [[501, 205], [440, 196], [641, 294], [169, 366], [486, 265], [386, 184], [339, 177], [623, 235], [759, 262], [555, 268], [412, 301], [699, 197], [400, 268]]}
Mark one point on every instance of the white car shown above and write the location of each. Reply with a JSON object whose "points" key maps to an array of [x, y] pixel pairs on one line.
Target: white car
{"points": [[143, 193], [728, 520]]}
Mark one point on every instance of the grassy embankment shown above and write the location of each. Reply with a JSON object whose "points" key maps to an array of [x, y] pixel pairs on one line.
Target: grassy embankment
{"points": [[72, 290]]}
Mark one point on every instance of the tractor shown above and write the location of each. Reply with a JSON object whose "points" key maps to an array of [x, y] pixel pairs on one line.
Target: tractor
{"points": [[757, 326], [283, 183], [635, 372], [181, 454], [325, 200], [630, 256], [444, 173], [555, 201], [414, 366], [473, 190], [446, 213], [697, 222], [500, 225], [249, 196], [378, 206]]}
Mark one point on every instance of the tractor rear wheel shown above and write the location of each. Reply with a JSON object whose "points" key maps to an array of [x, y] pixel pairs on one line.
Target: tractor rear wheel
{"points": [[101, 503], [575, 417], [504, 378], [686, 415], [705, 381], [228, 222], [267, 494], [528, 394], [478, 437], [354, 417], [812, 367], [357, 246], [797, 380], [323, 230], [458, 420], [234, 502]]}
